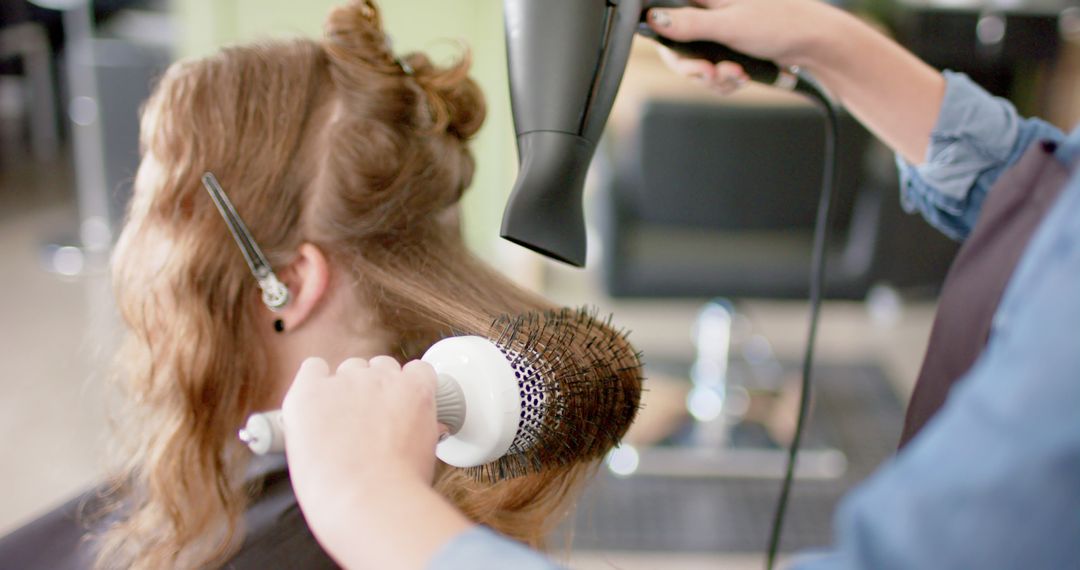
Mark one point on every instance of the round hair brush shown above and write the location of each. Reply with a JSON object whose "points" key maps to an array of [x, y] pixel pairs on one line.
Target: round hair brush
{"points": [[542, 389]]}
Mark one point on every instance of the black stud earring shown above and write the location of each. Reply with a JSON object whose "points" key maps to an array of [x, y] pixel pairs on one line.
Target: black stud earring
{"points": [[279, 325]]}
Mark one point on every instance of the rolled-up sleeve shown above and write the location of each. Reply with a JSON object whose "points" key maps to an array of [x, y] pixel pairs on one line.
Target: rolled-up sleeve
{"points": [[480, 548], [976, 138]]}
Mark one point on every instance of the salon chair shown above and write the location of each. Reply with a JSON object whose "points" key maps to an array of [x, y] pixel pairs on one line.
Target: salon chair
{"points": [[706, 199], [709, 200], [718, 200]]}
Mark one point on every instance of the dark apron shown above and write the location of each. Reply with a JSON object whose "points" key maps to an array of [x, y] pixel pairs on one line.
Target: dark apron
{"points": [[276, 534], [1014, 207]]}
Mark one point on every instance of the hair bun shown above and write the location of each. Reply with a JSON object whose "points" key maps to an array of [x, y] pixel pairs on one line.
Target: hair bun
{"points": [[355, 36], [456, 101]]}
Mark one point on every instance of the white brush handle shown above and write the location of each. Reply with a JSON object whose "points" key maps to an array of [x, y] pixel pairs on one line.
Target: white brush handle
{"points": [[265, 431], [477, 398], [449, 404]]}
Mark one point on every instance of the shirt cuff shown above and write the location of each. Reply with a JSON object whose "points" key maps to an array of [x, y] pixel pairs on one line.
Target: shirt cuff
{"points": [[975, 132], [480, 548]]}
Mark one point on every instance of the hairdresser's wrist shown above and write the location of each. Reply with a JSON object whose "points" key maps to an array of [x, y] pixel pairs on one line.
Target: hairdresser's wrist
{"points": [[373, 483], [889, 90], [410, 521], [829, 42]]}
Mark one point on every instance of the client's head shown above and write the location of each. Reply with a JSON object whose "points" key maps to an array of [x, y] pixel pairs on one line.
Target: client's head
{"points": [[347, 165]]}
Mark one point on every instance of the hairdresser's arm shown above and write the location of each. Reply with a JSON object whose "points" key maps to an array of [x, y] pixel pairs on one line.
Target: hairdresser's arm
{"points": [[361, 450]]}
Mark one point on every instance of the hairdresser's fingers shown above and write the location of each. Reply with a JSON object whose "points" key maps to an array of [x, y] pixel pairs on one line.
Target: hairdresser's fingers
{"points": [[424, 381], [688, 24], [311, 370], [386, 363], [352, 365], [313, 367], [697, 69], [419, 379], [730, 71], [420, 370], [729, 78], [723, 78], [309, 383]]}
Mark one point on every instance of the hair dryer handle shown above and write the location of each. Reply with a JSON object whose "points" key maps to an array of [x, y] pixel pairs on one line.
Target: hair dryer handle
{"points": [[760, 70], [265, 431], [449, 404]]}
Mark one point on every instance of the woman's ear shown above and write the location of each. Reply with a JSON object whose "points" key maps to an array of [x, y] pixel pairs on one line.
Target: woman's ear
{"points": [[308, 280]]}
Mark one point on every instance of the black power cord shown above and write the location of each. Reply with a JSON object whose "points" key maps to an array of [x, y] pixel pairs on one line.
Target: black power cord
{"points": [[817, 286]]}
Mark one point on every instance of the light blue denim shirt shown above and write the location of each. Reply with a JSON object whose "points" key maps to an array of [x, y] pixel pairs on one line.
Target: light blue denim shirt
{"points": [[977, 137], [993, 481]]}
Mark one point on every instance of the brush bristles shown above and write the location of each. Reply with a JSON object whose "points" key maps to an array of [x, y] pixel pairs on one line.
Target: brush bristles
{"points": [[580, 382]]}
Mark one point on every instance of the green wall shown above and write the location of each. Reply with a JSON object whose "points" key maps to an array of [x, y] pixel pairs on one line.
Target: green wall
{"points": [[425, 25]]}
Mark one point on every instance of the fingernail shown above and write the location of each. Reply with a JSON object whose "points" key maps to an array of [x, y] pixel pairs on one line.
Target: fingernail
{"points": [[660, 18], [444, 436]]}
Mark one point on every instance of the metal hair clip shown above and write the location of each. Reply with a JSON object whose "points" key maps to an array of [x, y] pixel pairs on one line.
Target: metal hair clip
{"points": [[274, 293]]}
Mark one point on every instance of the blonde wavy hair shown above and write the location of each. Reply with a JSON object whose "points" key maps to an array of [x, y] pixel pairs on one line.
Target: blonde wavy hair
{"points": [[327, 142]]}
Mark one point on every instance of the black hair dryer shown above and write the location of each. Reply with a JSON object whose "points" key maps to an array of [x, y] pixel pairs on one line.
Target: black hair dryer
{"points": [[566, 60]]}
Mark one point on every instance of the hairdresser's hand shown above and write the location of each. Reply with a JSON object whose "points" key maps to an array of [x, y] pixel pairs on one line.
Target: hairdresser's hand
{"points": [[361, 449], [368, 420], [888, 89], [791, 32]]}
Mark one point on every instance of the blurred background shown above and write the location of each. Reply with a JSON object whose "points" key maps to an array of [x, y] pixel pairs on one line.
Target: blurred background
{"points": [[700, 213]]}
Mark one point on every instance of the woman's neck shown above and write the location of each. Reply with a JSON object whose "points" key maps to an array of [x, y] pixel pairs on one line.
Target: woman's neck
{"points": [[340, 328]]}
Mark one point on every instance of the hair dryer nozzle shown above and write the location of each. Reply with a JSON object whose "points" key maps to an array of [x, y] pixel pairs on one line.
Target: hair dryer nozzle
{"points": [[544, 212], [566, 59]]}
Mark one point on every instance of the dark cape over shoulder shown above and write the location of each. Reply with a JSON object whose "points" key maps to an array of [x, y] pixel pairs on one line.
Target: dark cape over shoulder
{"points": [[276, 537]]}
